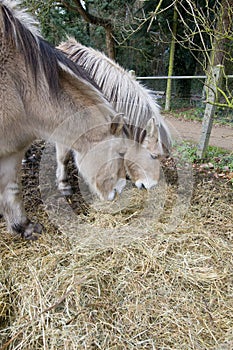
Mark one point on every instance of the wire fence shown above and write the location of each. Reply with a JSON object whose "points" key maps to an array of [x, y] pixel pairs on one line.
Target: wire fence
{"points": [[194, 102]]}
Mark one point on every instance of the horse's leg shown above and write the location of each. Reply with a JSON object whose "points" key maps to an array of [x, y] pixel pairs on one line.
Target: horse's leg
{"points": [[62, 154], [10, 195]]}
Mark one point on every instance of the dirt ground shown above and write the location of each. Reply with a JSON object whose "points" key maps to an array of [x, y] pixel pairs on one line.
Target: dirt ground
{"points": [[221, 136]]}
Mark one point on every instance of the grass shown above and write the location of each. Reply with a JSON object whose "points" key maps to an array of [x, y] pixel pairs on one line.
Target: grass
{"points": [[189, 113], [222, 116], [217, 158], [183, 109]]}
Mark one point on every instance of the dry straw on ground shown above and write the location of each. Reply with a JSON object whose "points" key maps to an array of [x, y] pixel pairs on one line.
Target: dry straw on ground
{"points": [[161, 290]]}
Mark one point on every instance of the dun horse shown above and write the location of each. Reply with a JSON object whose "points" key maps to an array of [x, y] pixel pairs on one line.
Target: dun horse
{"points": [[148, 138], [44, 95]]}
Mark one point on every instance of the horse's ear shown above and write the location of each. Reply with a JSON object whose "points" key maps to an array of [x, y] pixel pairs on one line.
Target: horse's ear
{"points": [[151, 128], [117, 125]]}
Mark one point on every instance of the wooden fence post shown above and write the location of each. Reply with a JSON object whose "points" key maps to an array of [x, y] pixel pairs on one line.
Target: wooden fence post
{"points": [[132, 73], [211, 89]]}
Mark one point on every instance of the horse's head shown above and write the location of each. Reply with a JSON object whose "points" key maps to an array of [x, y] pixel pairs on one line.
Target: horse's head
{"points": [[102, 163], [142, 158]]}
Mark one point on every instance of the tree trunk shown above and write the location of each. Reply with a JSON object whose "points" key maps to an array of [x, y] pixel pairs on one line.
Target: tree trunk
{"points": [[99, 21], [218, 52], [110, 44], [171, 62]]}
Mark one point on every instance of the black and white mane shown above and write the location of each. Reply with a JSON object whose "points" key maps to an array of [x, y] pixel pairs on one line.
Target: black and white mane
{"points": [[125, 93]]}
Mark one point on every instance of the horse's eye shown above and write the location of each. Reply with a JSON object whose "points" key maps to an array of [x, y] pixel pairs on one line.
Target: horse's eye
{"points": [[154, 155]]}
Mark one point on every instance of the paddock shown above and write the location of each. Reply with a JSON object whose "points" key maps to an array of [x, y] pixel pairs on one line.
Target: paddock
{"points": [[164, 289]]}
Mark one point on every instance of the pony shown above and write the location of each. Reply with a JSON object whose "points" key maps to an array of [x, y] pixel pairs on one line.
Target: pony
{"points": [[149, 138], [44, 95]]}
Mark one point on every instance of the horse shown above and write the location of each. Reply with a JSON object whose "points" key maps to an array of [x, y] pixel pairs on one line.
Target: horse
{"points": [[44, 95], [149, 138]]}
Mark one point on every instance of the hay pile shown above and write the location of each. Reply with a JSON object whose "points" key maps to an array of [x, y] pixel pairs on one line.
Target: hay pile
{"points": [[161, 290]]}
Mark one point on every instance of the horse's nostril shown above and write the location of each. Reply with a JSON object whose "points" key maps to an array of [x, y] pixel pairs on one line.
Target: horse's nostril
{"points": [[112, 195], [143, 186]]}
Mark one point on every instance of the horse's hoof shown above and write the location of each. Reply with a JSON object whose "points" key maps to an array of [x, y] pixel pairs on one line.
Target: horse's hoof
{"points": [[67, 192], [65, 189], [29, 230]]}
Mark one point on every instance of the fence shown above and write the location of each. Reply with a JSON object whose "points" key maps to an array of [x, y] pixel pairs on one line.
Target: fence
{"points": [[209, 111], [195, 100]]}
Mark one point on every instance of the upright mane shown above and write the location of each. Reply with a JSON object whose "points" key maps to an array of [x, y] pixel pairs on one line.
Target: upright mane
{"points": [[20, 29], [125, 93]]}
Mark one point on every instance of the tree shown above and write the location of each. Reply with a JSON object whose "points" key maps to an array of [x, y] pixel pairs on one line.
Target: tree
{"points": [[157, 21], [212, 25], [56, 22], [106, 23], [171, 60], [78, 18]]}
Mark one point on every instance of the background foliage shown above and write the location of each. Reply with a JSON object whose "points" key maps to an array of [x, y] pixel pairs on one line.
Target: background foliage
{"points": [[141, 37]]}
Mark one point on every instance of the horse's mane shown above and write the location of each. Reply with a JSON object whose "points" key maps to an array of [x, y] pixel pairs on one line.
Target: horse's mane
{"points": [[125, 93], [20, 29]]}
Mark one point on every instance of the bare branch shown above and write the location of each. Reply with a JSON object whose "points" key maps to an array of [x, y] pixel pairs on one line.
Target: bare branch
{"points": [[106, 23]]}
